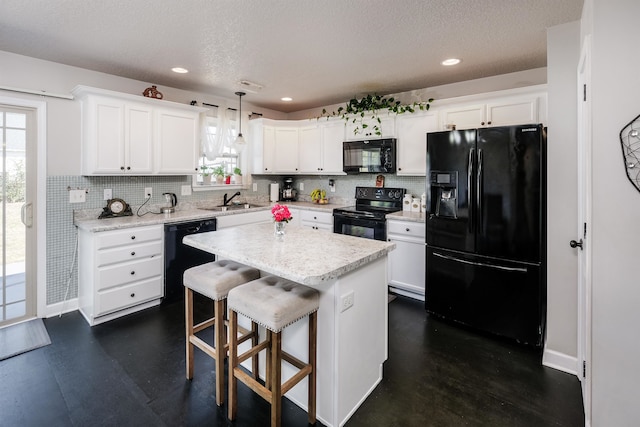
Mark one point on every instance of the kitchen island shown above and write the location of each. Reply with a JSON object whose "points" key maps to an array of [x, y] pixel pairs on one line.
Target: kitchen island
{"points": [[351, 275]]}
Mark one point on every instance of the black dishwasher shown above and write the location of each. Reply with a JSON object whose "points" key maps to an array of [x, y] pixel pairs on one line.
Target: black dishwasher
{"points": [[179, 257]]}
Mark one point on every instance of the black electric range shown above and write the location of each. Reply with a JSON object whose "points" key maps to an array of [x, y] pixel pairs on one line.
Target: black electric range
{"points": [[368, 217]]}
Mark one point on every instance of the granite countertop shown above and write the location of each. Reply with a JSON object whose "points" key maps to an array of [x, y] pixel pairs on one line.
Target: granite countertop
{"points": [[302, 255], [88, 219], [407, 216]]}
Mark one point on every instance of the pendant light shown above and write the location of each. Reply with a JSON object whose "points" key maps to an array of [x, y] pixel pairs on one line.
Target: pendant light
{"points": [[240, 142]]}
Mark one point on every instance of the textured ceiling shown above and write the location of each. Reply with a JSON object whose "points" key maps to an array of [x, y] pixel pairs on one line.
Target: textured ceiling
{"points": [[317, 52]]}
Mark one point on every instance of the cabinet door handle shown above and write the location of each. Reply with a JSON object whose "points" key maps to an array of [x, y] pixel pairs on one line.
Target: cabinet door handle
{"points": [[482, 123], [134, 254], [133, 272], [133, 237], [407, 229], [133, 294], [128, 168], [121, 168]]}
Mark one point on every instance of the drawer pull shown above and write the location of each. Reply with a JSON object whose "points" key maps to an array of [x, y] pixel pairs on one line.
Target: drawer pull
{"points": [[133, 237], [407, 229], [134, 254], [133, 272], [133, 294]]}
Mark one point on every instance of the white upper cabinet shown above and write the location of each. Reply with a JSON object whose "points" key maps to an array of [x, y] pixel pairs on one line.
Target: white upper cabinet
{"points": [[286, 155], [175, 133], [320, 149], [129, 134], [296, 147], [496, 110], [412, 132]]}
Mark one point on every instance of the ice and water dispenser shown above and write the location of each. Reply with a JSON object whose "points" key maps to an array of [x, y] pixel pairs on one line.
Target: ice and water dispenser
{"points": [[444, 194]]}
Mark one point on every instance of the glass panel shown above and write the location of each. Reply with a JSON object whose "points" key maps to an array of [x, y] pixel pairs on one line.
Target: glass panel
{"points": [[13, 298]]}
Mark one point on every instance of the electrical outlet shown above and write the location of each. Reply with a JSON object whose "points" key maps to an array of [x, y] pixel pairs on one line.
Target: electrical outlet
{"points": [[346, 301], [332, 186], [185, 190], [301, 186], [148, 192], [255, 186], [108, 194], [77, 196]]}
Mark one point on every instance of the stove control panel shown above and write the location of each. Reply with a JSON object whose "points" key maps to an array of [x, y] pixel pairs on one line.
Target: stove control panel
{"points": [[375, 193]]}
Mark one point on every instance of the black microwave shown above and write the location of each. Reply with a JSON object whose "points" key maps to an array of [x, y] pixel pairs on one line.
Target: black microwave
{"points": [[369, 156]]}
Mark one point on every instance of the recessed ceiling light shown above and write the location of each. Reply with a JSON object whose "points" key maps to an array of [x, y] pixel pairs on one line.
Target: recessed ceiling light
{"points": [[179, 70], [286, 99], [451, 61]]}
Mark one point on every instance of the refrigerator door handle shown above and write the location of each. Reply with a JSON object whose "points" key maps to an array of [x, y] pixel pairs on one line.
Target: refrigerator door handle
{"points": [[469, 186], [479, 192], [481, 264]]}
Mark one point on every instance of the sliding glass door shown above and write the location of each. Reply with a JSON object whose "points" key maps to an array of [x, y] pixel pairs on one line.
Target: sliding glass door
{"points": [[17, 291]]}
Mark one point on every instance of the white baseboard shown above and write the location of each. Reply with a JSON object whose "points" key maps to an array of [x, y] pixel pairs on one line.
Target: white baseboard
{"points": [[560, 361], [61, 308]]}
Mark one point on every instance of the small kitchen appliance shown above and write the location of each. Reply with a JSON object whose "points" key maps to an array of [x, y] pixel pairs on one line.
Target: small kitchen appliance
{"points": [[289, 193], [368, 217], [170, 203]]}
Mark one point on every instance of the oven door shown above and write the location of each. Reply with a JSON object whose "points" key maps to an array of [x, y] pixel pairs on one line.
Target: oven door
{"points": [[354, 225]]}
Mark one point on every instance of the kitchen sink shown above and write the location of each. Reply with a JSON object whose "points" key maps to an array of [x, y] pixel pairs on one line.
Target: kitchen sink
{"points": [[231, 207]]}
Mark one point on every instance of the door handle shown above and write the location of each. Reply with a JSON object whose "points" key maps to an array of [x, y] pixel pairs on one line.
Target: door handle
{"points": [[26, 214], [575, 244]]}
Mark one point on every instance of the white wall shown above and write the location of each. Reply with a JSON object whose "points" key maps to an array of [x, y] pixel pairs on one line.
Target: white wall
{"points": [[563, 53], [616, 213], [63, 121]]}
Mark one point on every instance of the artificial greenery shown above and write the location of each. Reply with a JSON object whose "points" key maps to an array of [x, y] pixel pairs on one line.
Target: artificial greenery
{"points": [[356, 110], [237, 171]]}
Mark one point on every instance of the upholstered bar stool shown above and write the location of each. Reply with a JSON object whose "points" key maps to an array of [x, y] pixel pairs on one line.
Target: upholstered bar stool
{"points": [[274, 303], [214, 280]]}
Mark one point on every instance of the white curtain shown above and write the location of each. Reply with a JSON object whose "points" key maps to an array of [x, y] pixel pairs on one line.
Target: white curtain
{"points": [[221, 132]]}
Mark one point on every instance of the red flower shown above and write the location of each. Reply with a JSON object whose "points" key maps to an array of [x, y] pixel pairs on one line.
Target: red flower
{"points": [[281, 213]]}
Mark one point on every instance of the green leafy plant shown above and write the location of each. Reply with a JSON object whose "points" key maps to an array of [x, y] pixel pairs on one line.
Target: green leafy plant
{"points": [[357, 110], [218, 171], [206, 170], [237, 171]]}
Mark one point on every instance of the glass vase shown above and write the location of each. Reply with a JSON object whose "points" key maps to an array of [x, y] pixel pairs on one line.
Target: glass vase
{"points": [[279, 228]]}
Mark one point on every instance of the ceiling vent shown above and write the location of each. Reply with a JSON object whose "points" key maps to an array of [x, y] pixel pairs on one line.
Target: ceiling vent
{"points": [[250, 86]]}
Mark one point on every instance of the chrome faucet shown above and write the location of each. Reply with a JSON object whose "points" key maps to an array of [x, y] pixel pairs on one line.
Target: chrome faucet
{"points": [[226, 201]]}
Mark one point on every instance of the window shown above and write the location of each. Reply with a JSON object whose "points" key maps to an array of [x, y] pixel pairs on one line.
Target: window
{"points": [[218, 152]]}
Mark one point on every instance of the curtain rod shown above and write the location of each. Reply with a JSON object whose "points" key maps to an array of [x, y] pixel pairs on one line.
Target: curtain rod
{"points": [[36, 92]]}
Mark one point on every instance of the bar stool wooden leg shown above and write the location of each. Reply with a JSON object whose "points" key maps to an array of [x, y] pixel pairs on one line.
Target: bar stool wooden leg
{"points": [[276, 376], [220, 341], [313, 332], [254, 342], [268, 359], [188, 309], [233, 362]]}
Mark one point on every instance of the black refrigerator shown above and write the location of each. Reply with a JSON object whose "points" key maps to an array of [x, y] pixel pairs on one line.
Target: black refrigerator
{"points": [[485, 230]]}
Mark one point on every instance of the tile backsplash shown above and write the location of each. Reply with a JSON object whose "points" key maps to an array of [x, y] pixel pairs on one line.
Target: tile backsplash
{"points": [[62, 269]]}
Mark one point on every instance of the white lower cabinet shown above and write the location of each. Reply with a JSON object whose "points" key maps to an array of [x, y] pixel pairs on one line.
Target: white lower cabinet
{"points": [[120, 271], [316, 220], [235, 219], [408, 261]]}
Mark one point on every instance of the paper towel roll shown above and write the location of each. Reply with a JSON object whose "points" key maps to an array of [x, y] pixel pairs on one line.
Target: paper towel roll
{"points": [[274, 192]]}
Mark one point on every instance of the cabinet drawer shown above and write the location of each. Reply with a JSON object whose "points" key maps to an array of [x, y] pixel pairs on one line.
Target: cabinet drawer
{"points": [[129, 253], [315, 216], [406, 228], [127, 296], [129, 272], [128, 236]]}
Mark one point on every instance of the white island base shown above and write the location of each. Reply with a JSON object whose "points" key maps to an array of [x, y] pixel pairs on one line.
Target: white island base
{"points": [[352, 344], [352, 339]]}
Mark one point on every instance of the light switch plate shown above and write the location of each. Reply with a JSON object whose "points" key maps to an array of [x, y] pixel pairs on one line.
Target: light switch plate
{"points": [[108, 194], [77, 196]]}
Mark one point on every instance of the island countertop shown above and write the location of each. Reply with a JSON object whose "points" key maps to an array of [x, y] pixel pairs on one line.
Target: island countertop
{"points": [[303, 255]]}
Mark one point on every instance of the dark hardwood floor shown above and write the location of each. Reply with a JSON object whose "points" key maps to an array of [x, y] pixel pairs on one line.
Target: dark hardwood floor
{"points": [[130, 372]]}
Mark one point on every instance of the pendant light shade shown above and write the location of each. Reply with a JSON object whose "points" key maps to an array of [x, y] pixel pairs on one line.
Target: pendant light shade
{"points": [[240, 142]]}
